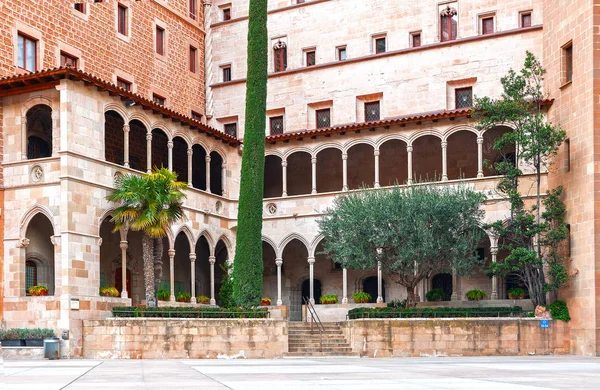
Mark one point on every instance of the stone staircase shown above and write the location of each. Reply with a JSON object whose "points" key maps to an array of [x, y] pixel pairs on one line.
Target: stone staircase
{"points": [[304, 342]]}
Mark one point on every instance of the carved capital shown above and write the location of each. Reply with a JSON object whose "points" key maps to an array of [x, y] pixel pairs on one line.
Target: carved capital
{"points": [[494, 250], [480, 140], [55, 240], [124, 245], [192, 257], [311, 260], [190, 152], [207, 159], [148, 136], [313, 160], [279, 262], [376, 153], [171, 252], [284, 163], [211, 260], [344, 156], [126, 128], [170, 144], [23, 242], [409, 149]]}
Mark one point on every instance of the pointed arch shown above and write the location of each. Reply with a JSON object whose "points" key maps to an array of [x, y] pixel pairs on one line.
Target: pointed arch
{"points": [[227, 243], [271, 242], [286, 240], [32, 212], [185, 229], [315, 242], [208, 237]]}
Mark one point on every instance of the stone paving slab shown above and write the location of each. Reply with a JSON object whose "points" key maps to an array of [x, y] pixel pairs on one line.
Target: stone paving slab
{"points": [[488, 373]]}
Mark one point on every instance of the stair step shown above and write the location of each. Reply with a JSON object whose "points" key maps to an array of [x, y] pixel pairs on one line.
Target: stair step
{"points": [[320, 354]]}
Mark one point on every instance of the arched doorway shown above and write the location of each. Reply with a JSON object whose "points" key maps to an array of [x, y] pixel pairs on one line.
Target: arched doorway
{"points": [[443, 281], [306, 290], [39, 263], [370, 287], [39, 132]]}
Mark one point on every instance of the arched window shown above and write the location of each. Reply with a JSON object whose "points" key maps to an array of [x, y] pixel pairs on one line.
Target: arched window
{"points": [[30, 275], [448, 24], [280, 56], [39, 132]]}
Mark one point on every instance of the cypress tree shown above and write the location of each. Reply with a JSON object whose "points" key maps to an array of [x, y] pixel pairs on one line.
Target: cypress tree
{"points": [[248, 263]]}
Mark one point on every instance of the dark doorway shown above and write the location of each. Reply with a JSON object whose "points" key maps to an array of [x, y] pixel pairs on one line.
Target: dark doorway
{"points": [[370, 287], [443, 281], [306, 290], [119, 281]]}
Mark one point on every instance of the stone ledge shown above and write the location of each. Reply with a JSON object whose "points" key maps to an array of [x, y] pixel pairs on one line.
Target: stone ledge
{"points": [[22, 353]]}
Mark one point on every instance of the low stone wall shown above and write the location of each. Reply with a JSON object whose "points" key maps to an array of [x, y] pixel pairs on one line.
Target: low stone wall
{"points": [[456, 337], [337, 312], [158, 338], [525, 304], [22, 353]]}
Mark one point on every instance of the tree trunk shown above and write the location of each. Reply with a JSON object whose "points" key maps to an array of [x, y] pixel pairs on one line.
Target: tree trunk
{"points": [[147, 255], [537, 203], [411, 300], [158, 263]]}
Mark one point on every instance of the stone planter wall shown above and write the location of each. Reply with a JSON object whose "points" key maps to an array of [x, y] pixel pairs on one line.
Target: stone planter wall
{"points": [[157, 338], [456, 337], [22, 353]]}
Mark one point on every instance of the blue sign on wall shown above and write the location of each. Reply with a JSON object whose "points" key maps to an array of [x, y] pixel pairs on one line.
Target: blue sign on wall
{"points": [[544, 323]]}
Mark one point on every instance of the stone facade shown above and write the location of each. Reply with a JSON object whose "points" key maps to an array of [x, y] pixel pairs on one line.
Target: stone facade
{"points": [[393, 117]]}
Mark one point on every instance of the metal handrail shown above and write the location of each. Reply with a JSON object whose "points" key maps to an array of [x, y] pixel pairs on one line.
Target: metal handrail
{"points": [[314, 315]]}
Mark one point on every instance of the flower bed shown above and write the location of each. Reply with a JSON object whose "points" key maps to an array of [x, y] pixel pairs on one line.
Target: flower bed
{"points": [[188, 312], [439, 312]]}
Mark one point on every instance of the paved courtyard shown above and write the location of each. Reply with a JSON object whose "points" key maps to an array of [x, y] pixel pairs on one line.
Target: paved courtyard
{"points": [[488, 373]]}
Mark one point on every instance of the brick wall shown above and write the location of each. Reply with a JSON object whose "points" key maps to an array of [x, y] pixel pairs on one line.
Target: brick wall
{"points": [[93, 38]]}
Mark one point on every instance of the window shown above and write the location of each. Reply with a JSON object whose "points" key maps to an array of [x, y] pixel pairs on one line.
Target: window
{"points": [[341, 53], [526, 19], [122, 83], [415, 39], [160, 40], [30, 275], [196, 116], [568, 152], [323, 118], [37, 148], [379, 45], [68, 60], [193, 9], [226, 73], [79, 7], [193, 59], [158, 99], [280, 56], [226, 14], [27, 53], [300, 1], [568, 62], [310, 58], [487, 25], [448, 24], [122, 19], [372, 111], [231, 129], [464, 97], [276, 124]]}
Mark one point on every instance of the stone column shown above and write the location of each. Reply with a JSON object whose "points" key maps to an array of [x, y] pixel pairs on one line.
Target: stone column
{"points": [[24, 137], [345, 171], [479, 156], [284, 177], [313, 162], [444, 161], [171, 253], [193, 277], [455, 293], [207, 159], [379, 284], [345, 285], [224, 178], [124, 245], [279, 263], [190, 153], [494, 252], [149, 152], [376, 154], [126, 145], [211, 261], [409, 150], [170, 154], [311, 276]]}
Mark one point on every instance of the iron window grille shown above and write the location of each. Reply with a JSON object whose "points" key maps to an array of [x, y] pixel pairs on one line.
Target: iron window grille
{"points": [[323, 118], [464, 97], [121, 83], [158, 99], [372, 112], [276, 124], [231, 129], [68, 60], [448, 24]]}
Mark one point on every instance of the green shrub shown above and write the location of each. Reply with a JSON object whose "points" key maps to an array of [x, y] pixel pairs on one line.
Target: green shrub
{"points": [[435, 294], [183, 297], [10, 334], [516, 293], [38, 291], [329, 299], [189, 312], [109, 291], [559, 311], [163, 294], [437, 312], [226, 291], [202, 299], [476, 295], [26, 334], [397, 304], [361, 297]]}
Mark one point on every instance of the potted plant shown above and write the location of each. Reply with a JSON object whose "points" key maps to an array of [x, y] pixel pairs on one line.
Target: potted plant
{"points": [[435, 294], [361, 297], [163, 294], [183, 297], [265, 302], [329, 299], [38, 291], [516, 293], [35, 337], [206, 300], [109, 291], [11, 338], [476, 295]]}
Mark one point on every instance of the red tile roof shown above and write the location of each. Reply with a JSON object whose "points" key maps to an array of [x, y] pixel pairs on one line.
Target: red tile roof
{"points": [[47, 78]]}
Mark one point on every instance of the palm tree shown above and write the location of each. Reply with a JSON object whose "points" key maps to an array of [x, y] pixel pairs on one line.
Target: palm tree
{"points": [[149, 203]]}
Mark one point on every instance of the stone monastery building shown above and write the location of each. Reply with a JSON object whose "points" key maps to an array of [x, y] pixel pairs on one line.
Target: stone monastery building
{"points": [[360, 92]]}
